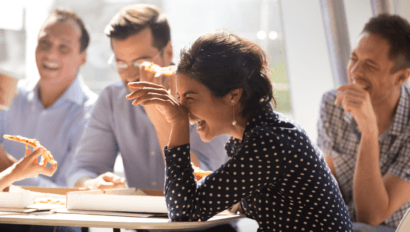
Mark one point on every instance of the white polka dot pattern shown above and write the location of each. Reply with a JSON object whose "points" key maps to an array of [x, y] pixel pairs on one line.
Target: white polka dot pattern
{"points": [[279, 177]]}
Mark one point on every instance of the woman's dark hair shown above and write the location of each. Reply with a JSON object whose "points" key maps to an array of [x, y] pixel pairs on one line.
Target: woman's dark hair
{"points": [[64, 15], [396, 30], [130, 20], [224, 62]]}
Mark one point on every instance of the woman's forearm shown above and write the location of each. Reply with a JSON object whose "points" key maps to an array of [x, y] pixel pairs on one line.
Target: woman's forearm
{"points": [[6, 178], [179, 133]]}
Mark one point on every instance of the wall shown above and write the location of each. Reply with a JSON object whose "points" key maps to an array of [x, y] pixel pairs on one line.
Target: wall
{"points": [[308, 62]]}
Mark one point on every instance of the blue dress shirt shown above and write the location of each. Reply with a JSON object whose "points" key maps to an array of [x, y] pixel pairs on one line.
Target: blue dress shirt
{"points": [[58, 128], [117, 126]]}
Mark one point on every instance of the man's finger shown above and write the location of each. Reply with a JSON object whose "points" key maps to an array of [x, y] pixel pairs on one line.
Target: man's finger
{"points": [[359, 84], [118, 180], [343, 88], [109, 185], [108, 176], [339, 98]]}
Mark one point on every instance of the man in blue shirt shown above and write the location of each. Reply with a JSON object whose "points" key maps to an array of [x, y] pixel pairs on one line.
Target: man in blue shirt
{"points": [[138, 33], [53, 110]]}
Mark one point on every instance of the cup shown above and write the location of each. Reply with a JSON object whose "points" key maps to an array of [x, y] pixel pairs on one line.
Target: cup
{"points": [[8, 89]]}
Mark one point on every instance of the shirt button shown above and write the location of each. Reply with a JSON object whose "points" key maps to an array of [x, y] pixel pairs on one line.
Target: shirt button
{"points": [[152, 153], [153, 183]]}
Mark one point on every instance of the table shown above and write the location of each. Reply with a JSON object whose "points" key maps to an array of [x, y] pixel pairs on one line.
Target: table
{"points": [[81, 220]]}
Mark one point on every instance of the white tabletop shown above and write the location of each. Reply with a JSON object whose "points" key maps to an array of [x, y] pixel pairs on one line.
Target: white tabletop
{"points": [[123, 222]]}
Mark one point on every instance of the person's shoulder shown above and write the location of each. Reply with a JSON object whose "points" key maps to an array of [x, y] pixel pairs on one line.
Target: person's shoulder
{"points": [[406, 90], [329, 96], [24, 86], [114, 89], [274, 126], [328, 107], [112, 97]]}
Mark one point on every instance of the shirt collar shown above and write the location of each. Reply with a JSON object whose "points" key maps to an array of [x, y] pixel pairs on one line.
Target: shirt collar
{"points": [[260, 117], [73, 93], [257, 119], [400, 116]]}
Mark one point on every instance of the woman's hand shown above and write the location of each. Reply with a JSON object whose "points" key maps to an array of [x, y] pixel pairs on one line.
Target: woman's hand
{"points": [[28, 167], [168, 81], [148, 93]]}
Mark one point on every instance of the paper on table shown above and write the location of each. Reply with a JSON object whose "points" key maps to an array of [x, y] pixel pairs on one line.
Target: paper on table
{"points": [[122, 214], [119, 200], [15, 200], [25, 200]]}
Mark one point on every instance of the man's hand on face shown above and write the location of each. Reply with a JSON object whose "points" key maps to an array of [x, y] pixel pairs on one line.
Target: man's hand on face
{"points": [[356, 100], [107, 180]]}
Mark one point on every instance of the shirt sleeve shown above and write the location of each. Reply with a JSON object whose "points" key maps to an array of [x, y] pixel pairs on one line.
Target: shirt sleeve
{"points": [[97, 149], [325, 140], [246, 172], [59, 178], [401, 165]]}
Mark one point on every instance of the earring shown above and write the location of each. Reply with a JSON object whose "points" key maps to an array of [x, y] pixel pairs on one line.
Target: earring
{"points": [[233, 112]]}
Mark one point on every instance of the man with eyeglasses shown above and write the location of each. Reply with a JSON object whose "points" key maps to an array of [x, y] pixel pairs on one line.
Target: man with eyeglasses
{"points": [[138, 33]]}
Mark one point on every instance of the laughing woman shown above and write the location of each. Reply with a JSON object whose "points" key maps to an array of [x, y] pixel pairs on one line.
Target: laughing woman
{"points": [[275, 173]]}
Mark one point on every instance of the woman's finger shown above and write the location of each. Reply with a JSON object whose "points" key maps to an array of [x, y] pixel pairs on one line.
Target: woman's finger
{"points": [[141, 84], [156, 101], [145, 90], [48, 171], [36, 153], [149, 96]]}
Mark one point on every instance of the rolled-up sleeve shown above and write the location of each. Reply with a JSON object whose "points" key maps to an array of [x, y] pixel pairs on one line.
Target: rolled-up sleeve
{"points": [[401, 165]]}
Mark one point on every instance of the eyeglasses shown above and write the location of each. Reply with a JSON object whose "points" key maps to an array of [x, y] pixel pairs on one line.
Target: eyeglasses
{"points": [[122, 66]]}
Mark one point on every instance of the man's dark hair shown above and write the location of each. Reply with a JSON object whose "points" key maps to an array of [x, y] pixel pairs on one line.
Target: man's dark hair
{"points": [[223, 62], [396, 30], [132, 19], [64, 15]]}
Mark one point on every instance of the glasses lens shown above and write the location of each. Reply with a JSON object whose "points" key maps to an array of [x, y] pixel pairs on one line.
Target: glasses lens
{"points": [[120, 66], [137, 64]]}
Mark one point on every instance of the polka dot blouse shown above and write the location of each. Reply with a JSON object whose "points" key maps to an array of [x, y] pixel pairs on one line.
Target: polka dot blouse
{"points": [[280, 179]]}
